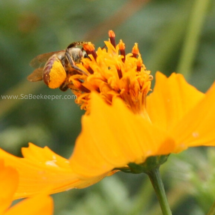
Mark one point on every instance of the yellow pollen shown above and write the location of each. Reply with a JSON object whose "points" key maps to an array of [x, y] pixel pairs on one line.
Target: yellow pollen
{"points": [[89, 47], [121, 45], [135, 50], [111, 33]]}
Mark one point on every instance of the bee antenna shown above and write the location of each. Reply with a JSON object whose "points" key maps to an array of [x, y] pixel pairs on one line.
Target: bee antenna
{"points": [[72, 45]]}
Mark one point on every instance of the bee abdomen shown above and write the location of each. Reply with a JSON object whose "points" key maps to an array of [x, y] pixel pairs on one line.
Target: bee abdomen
{"points": [[54, 73]]}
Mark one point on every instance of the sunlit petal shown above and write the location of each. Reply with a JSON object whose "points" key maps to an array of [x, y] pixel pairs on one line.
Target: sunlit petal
{"points": [[40, 204], [170, 100], [41, 169], [121, 138], [8, 185], [196, 128]]}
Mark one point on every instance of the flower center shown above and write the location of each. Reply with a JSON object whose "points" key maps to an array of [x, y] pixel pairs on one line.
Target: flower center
{"points": [[112, 73]]}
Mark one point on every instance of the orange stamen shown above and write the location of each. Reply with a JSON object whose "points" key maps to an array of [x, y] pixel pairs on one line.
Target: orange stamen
{"points": [[80, 86], [90, 49], [112, 38], [135, 50], [89, 69], [139, 65], [119, 71], [122, 50], [111, 34]]}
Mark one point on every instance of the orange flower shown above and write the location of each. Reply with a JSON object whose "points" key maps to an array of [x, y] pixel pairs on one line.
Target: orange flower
{"points": [[112, 137], [40, 204], [123, 126]]}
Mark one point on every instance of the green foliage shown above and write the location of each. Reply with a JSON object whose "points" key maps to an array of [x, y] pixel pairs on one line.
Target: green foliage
{"points": [[29, 28]]}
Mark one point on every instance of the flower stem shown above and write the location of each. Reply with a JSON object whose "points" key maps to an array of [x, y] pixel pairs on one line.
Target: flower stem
{"points": [[157, 183]]}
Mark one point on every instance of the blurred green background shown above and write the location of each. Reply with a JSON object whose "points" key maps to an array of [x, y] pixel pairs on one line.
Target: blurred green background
{"points": [[172, 36]]}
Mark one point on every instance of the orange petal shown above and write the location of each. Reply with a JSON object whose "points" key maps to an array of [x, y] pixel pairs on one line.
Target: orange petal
{"points": [[197, 126], [112, 136], [171, 99], [40, 204], [42, 168], [8, 185]]}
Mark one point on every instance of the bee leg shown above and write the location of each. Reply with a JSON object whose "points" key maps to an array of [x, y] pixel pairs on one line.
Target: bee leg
{"points": [[72, 64], [64, 87]]}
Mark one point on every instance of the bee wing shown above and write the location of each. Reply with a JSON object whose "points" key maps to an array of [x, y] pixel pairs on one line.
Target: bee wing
{"points": [[40, 60], [36, 75]]}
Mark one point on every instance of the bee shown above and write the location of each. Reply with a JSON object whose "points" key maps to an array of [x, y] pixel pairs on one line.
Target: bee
{"points": [[54, 68]]}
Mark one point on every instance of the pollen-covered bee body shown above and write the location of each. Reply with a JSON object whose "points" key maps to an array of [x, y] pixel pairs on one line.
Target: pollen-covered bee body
{"points": [[54, 73], [54, 67]]}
